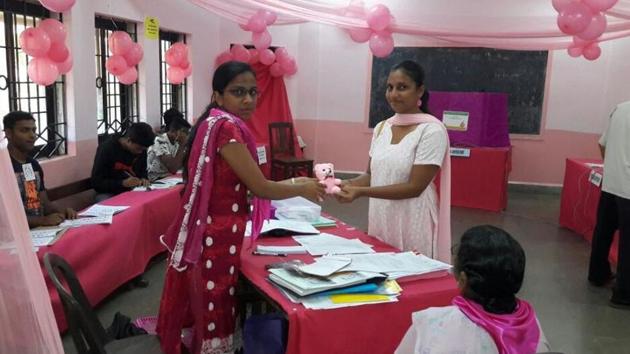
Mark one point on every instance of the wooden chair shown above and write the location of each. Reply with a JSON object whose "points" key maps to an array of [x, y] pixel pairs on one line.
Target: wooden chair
{"points": [[284, 164]]}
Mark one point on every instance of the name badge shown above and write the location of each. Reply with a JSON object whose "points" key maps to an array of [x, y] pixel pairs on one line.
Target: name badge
{"points": [[595, 178], [460, 152], [29, 173], [262, 155]]}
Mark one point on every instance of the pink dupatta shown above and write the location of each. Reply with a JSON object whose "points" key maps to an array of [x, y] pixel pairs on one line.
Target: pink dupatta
{"points": [[444, 217], [184, 237], [514, 333]]}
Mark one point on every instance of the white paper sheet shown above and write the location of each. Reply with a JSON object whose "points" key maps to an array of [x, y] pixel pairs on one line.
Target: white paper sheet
{"points": [[325, 266], [87, 221], [325, 243], [298, 227], [102, 210], [403, 264]]}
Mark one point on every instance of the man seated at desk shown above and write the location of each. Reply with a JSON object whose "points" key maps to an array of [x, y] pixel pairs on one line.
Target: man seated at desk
{"points": [[20, 131], [166, 155], [120, 163]]}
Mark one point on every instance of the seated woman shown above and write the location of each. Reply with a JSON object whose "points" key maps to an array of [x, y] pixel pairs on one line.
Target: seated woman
{"points": [[487, 317]]}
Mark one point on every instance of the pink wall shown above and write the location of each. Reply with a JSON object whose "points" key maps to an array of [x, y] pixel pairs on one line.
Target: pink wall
{"points": [[75, 166], [538, 160]]}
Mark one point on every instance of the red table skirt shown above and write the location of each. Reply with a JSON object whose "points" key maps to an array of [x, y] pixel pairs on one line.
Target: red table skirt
{"points": [[105, 257], [480, 181], [376, 328], [578, 205]]}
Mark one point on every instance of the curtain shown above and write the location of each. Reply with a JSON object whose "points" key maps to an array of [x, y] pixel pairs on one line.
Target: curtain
{"points": [[503, 24], [26, 317]]}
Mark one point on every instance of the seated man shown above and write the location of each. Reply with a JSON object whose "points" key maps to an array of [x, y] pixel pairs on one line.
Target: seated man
{"points": [[120, 163], [487, 317], [20, 129], [166, 154]]}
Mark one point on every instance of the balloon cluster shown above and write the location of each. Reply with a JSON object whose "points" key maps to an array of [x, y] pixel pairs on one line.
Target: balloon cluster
{"points": [[586, 22], [57, 5], [46, 44], [126, 54], [378, 32], [179, 65], [280, 62], [257, 24]]}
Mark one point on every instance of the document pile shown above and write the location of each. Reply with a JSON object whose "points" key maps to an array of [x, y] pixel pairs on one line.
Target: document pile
{"points": [[287, 228], [164, 183], [103, 210], [46, 236], [324, 243]]}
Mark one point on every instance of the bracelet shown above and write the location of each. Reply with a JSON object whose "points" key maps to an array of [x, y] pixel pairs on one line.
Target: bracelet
{"points": [[292, 180]]}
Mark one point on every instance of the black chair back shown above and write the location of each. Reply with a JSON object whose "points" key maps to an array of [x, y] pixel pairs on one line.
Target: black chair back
{"points": [[87, 332]]}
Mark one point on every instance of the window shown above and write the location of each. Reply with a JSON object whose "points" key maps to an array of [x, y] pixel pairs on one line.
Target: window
{"points": [[171, 96], [17, 92], [117, 104]]}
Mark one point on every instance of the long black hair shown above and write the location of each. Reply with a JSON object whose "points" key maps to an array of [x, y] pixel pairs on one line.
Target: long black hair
{"points": [[416, 73], [494, 264], [223, 75]]}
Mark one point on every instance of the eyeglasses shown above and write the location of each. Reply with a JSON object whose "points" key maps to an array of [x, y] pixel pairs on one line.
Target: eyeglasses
{"points": [[240, 92]]}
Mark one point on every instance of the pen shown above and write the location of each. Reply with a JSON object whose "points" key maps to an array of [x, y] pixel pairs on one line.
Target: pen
{"points": [[269, 254]]}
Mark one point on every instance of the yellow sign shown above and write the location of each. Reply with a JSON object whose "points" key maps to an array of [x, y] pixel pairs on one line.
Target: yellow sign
{"points": [[151, 27]]}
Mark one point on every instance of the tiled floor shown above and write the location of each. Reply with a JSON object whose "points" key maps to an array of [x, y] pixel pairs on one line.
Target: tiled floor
{"points": [[574, 316]]}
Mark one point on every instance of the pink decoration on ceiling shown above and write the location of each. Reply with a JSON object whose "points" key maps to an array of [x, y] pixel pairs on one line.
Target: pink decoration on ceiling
{"points": [[46, 43], [586, 21], [126, 54], [178, 60], [57, 5]]}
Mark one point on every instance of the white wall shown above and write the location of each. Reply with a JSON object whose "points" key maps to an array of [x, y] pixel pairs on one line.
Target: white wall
{"points": [[202, 30]]}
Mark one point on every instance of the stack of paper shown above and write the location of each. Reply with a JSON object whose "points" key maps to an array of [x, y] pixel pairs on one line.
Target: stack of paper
{"points": [[46, 236], [87, 221], [279, 250], [287, 228], [324, 222], [396, 265], [303, 285], [325, 266], [164, 183], [324, 243], [103, 210]]}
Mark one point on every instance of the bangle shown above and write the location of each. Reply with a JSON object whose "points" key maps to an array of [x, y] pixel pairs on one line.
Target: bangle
{"points": [[292, 180]]}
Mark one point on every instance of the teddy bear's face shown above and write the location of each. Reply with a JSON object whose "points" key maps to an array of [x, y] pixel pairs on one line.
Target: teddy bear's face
{"points": [[324, 170]]}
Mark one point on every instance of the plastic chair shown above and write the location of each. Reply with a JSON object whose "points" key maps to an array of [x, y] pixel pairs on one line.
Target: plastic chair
{"points": [[284, 164], [87, 332]]}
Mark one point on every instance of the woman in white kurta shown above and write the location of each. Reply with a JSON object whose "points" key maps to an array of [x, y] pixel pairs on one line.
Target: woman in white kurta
{"points": [[406, 154]]}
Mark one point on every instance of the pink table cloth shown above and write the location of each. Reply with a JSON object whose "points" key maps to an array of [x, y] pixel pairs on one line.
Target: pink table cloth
{"points": [[105, 257], [376, 328]]}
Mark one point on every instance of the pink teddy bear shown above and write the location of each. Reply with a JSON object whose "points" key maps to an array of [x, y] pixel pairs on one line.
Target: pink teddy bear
{"points": [[325, 173]]}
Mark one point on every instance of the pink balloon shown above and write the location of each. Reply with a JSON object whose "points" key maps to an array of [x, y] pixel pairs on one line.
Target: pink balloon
{"points": [[559, 5], [360, 35], [254, 56], [378, 17], [57, 5], [56, 30], [134, 54], [257, 23], [128, 77], [244, 27], [223, 58], [276, 70], [381, 44], [574, 51], [184, 65], [116, 64], [240, 53], [261, 40], [65, 66], [574, 18], [579, 42], [292, 70], [267, 57], [282, 55], [34, 42], [288, 65], [592, 52], [175, 75], [58, 52], [187, 70], [176, 54], [119, 42], [42, 71], [600, 5], [595, 29], [270, 17]]}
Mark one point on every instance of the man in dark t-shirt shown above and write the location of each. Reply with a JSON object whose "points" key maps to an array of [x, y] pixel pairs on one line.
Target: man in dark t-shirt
{"points": [[120, 163], [20, 129]]}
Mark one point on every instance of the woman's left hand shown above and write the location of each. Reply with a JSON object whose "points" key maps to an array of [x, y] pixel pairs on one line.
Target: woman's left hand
{"points": [[348, 194]]}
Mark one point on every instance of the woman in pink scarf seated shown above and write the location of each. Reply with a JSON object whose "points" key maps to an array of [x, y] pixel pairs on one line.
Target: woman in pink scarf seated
{"points": [[205, 240], [408, 151], [487, 317]]}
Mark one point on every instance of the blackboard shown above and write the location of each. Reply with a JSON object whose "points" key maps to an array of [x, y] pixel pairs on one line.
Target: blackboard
{"points": [[520, 74]]}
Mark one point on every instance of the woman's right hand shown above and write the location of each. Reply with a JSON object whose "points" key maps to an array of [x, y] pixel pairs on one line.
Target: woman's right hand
{"points": [[312, 189]]}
